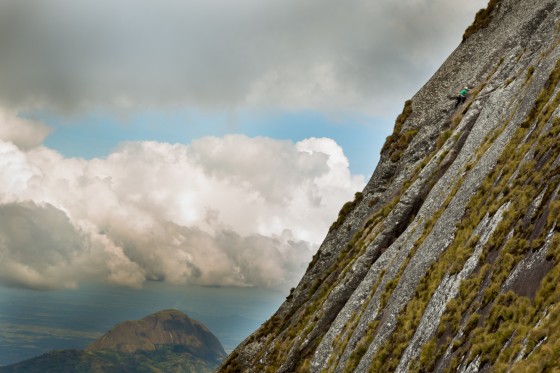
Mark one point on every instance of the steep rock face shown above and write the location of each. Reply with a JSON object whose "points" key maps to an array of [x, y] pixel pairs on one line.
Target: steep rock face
{"points": [[448, 259], [167, 327]]}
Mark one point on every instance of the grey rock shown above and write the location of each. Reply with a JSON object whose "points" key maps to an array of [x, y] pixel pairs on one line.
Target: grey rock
{"points": [[349, 303]]}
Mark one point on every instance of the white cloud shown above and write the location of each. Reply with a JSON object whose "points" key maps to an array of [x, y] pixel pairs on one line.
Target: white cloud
{"points": [[220, 211], [22, 132], [315, 54]]}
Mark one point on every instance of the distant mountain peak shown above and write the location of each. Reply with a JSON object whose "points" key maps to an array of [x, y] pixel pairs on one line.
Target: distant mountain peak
{"points": [[163, 328], [166, 341], [168, 313]]}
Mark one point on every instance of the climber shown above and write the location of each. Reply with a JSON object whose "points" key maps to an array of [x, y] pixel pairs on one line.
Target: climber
{"points": [[462, 96]]}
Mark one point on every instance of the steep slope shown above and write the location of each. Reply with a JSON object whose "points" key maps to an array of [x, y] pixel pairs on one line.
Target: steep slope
{"points": [[167, 341], [449, 258]]}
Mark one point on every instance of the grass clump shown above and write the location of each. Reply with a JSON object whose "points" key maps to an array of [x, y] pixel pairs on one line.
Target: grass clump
{"points": [[481, 20], [346, 209], [398, 141]]}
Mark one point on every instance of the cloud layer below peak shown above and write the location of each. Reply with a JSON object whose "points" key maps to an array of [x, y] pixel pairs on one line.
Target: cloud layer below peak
{"points": [[232, 210]]}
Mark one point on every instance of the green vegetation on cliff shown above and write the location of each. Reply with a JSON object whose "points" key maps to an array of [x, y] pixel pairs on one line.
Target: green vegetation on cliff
{"points": [[449, 260]]}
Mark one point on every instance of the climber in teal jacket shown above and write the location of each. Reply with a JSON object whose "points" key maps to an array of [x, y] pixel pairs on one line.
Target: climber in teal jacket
{"points": [[462, 96]]}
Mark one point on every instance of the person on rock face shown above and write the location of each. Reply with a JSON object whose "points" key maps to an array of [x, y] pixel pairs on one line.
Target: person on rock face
{"points": [[462, 96]]}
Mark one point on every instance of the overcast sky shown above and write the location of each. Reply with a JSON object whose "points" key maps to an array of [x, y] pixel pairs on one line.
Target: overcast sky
{"points": [[229, 209], [314, 54]]}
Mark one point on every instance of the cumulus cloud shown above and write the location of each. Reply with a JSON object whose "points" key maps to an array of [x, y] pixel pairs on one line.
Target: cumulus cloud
{"points": [[234, 211], [22, 132], [318, 54], [41, 249]]}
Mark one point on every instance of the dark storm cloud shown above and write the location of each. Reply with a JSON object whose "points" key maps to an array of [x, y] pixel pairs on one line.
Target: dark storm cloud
{"points": [[40, 248], [71, 55], [35, 241]]}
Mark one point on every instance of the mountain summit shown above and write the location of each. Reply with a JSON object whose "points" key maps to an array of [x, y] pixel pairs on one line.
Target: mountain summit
{"points": [[166, 341], [449, 259], [167, 327]]}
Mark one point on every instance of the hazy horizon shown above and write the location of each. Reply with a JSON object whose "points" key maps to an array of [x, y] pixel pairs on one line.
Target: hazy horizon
{"points": [[33, 322]]}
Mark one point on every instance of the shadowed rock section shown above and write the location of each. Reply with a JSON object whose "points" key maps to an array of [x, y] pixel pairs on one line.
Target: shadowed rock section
{"points": [[448, 260]]}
